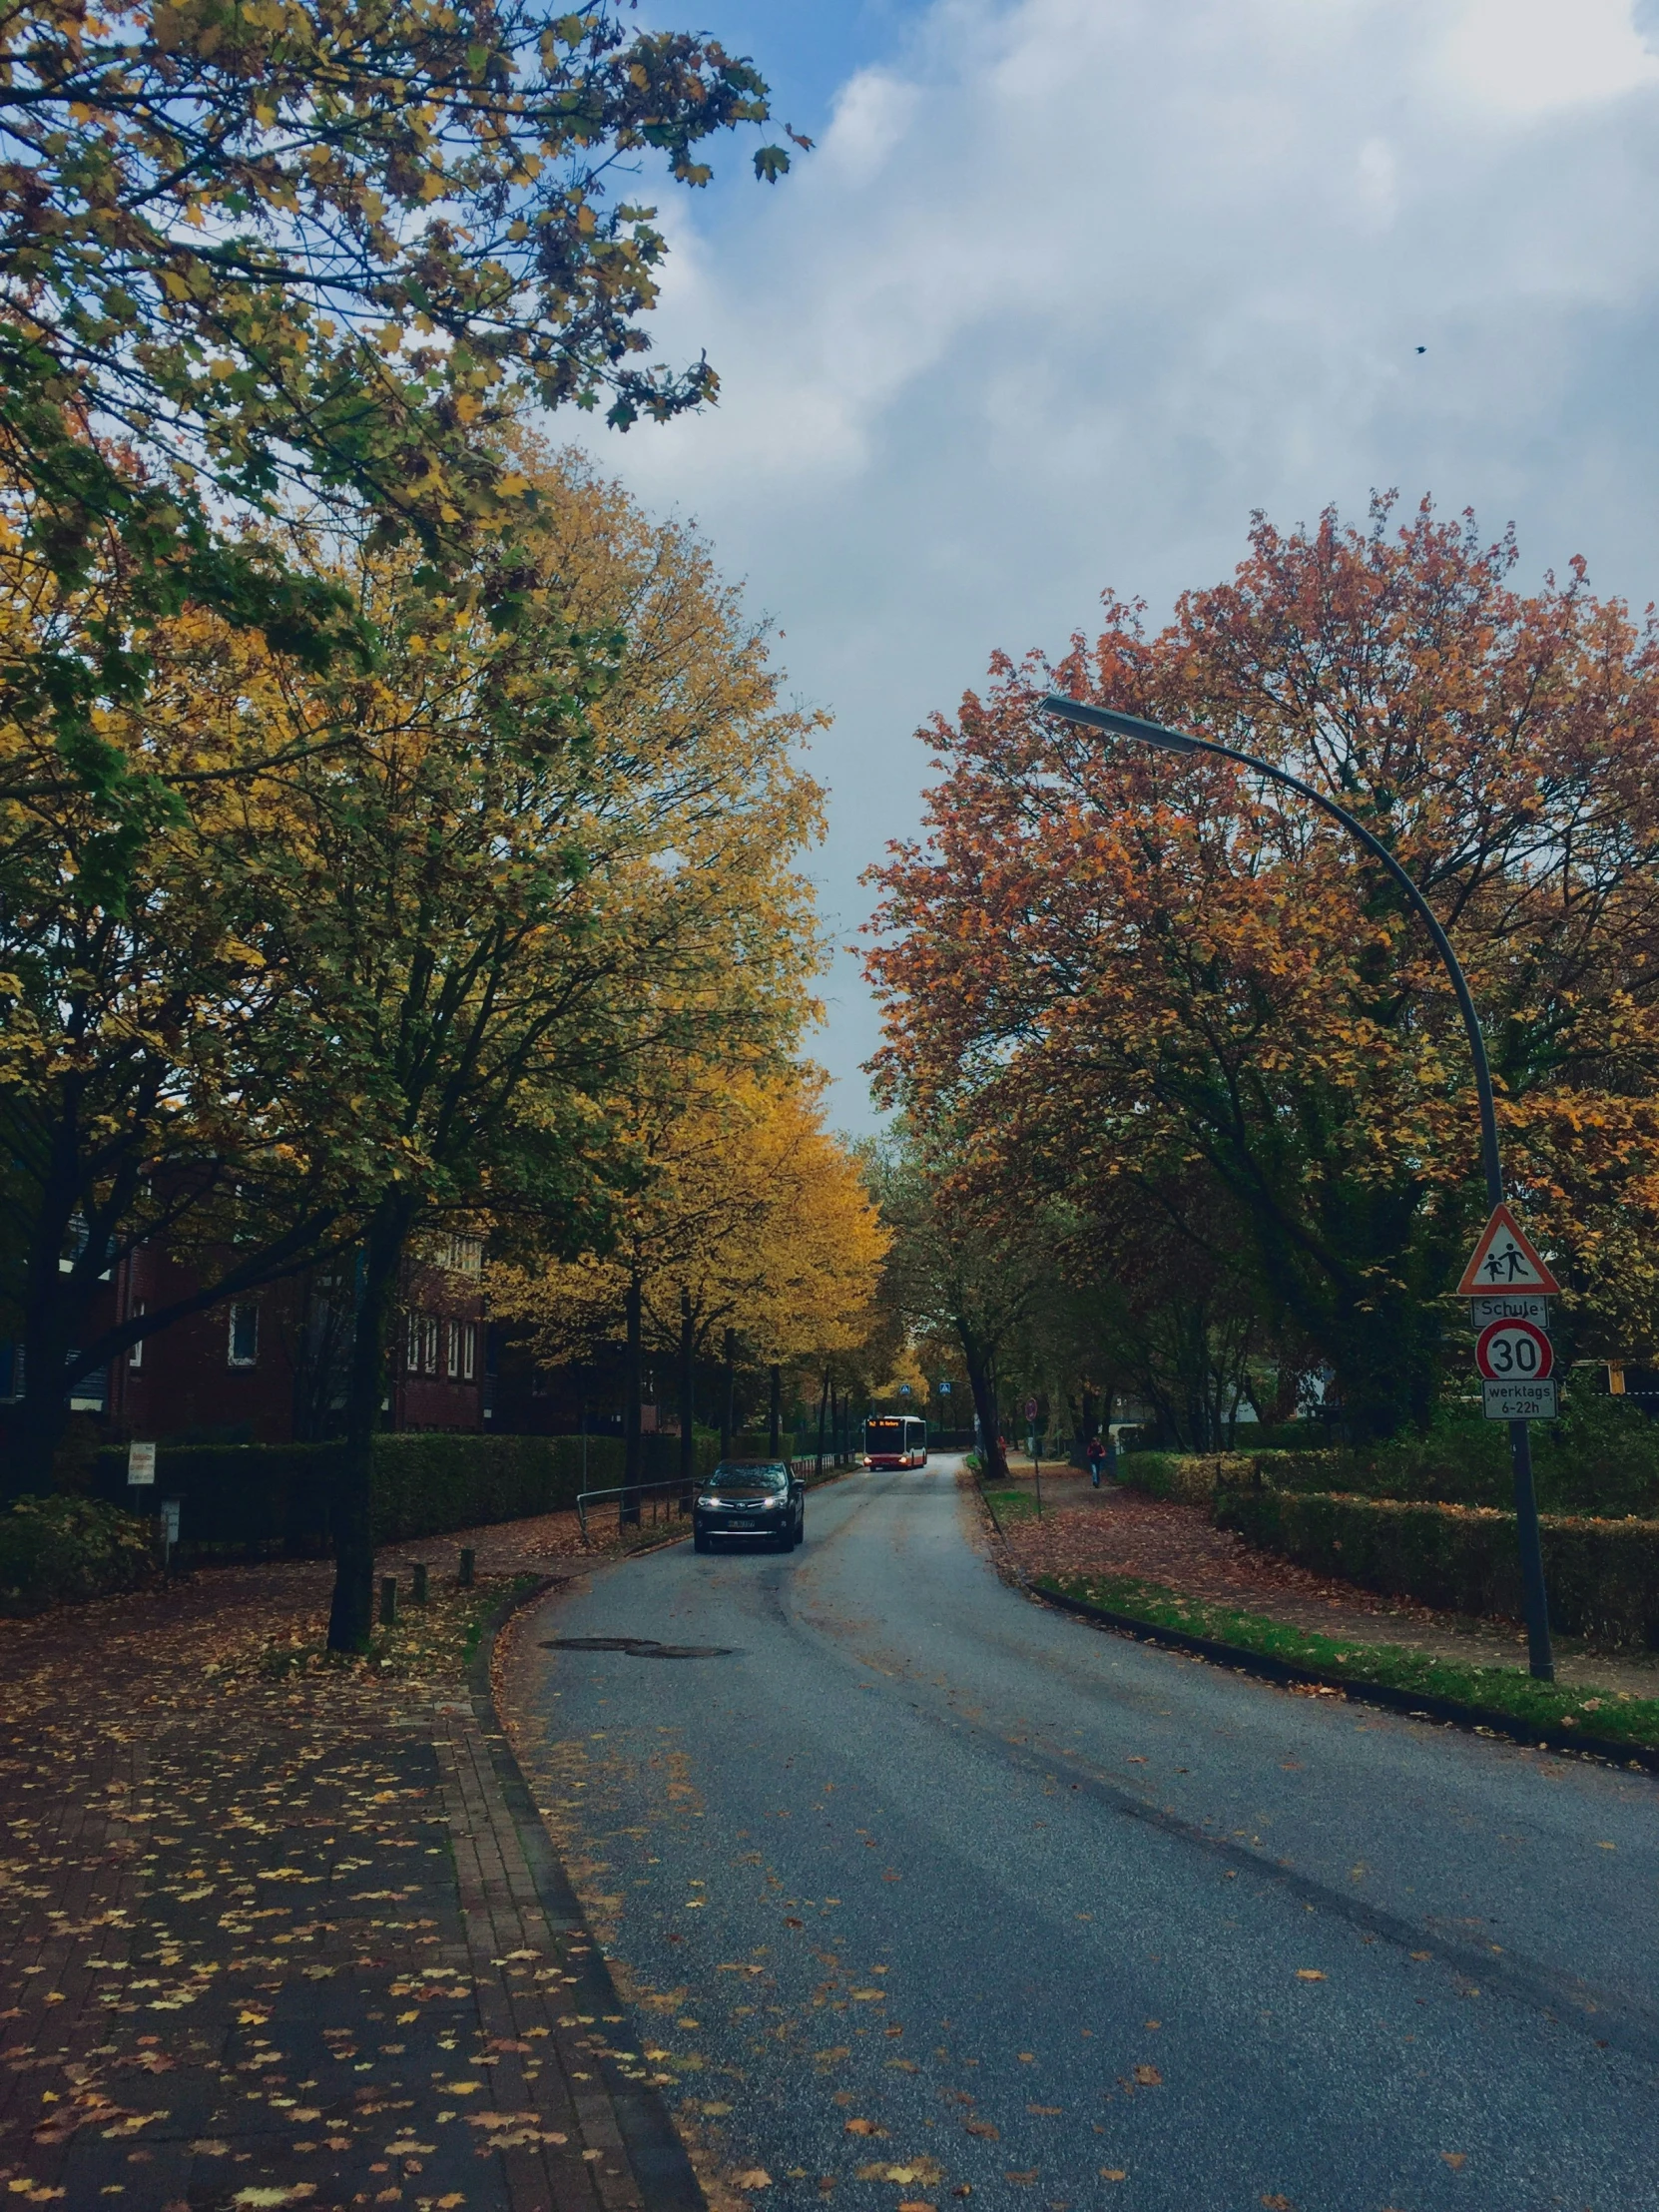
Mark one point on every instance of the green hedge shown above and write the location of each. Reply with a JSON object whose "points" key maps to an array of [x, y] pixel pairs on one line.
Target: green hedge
{"points": [[52, 1548], [238, 1497], [1190, 1478], [1600, 1458], [1603, 1576]]}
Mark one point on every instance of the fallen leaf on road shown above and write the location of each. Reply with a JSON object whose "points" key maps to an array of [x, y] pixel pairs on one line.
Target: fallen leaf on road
{"points": [[1454, 2159], [1149, 2077], [1024, 2180], [1027, 2057], [1279, 2204], [1309, 1974], [986, 2128], [864, 1997], [864, 2127], [756, 2178], [210, 2148], [1046, 2111], [1113, 2173]]}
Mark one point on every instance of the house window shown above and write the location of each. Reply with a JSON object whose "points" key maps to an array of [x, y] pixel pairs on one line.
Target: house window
{"points": [[135, 1352], [469, 1354], [430, 1347], [244, 1334], [412, 1344], [454, 1350]]}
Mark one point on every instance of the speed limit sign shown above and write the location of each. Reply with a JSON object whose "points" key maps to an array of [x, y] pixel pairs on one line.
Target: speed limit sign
{"points": [[1514, 1352]]}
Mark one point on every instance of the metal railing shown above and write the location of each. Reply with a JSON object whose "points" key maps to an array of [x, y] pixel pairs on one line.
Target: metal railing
{"points": [[630, 1498]]}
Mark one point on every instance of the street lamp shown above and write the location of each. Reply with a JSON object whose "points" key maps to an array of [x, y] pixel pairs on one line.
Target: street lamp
{"points": [[1107, 720]]}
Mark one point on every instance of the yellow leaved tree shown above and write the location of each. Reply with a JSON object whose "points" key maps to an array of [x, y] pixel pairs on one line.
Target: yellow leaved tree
{"points": [[749, 1229]]}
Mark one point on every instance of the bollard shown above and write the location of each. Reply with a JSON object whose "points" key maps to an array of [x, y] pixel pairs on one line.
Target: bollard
{"points": [[464, 1578], [418, 1595], [389, 1601]]}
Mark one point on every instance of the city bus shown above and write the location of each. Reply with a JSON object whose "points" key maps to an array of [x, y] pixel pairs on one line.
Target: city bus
{"points": [[896, 1441]]}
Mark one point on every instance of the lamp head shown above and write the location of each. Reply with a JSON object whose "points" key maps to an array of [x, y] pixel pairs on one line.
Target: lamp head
{"points": [[1121, 726]]}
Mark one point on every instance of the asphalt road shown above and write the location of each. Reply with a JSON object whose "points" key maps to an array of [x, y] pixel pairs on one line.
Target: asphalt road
{"points": [[912, 1876]]}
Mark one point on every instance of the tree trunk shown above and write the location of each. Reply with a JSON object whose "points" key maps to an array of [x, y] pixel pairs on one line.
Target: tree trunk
{"points": [[730, 1354], [633, 1449], [822, 1409], [775, 1432], [351, 1615], [687, 1391], [984, 1405]]}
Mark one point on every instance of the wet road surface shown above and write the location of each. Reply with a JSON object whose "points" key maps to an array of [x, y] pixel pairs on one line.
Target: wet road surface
{"points": [[923, 1891]]}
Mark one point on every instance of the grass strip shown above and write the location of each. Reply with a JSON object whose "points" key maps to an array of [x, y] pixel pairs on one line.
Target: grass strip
{"points": [[1616, 1716], [1011, 1506]]}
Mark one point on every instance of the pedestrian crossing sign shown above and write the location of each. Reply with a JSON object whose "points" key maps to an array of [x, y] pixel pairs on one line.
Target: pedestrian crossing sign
{"points": [[1506, 1260]]}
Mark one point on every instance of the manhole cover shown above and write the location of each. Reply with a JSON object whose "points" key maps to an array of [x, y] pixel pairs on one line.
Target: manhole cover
{"points": [[640, 1647]]}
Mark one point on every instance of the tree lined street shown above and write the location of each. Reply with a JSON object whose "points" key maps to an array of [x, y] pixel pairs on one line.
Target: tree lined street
{"points": [[916, 1880]]}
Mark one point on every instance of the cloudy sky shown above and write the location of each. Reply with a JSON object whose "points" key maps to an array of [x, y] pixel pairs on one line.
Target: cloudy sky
{"points": [[1070, 286]]}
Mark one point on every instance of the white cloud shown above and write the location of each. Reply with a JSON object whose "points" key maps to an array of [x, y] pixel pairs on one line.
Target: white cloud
{"points": [[1079, 282]]}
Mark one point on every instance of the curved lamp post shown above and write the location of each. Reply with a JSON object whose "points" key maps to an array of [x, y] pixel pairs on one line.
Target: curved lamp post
{"points": [[1105, 718]]}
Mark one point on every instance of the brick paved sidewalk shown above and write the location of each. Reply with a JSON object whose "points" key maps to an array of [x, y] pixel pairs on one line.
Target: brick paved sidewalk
{"points": [[277, 1934]]}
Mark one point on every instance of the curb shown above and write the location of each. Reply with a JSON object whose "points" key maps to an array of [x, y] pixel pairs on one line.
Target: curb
{"points": [[667, 2179], [1418, 1705]]}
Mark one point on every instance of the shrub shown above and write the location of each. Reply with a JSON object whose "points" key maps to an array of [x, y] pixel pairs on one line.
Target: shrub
{"points": [[52, 1548], [253, 1497], [1602, 1575], [1600, 1458], [1190, 1478]]}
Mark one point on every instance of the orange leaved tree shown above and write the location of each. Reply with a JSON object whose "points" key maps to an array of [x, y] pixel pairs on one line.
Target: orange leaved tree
{"points": [[1128, 972]]}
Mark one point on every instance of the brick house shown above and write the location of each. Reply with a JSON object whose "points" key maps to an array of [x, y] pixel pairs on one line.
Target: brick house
{"points": [[270, 1367]]}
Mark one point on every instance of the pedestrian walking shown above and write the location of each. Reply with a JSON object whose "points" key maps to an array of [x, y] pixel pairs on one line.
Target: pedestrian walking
{"points": [[1095, 1453]]}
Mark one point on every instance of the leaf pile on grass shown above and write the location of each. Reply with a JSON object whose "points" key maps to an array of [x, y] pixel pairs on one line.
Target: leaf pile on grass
{"points": [[58, 1548], [1619, 1716]]}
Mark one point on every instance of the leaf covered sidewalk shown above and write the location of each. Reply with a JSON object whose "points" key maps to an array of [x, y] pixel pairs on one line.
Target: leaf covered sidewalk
{"points": [[271, 1936], [1122, 1532]]}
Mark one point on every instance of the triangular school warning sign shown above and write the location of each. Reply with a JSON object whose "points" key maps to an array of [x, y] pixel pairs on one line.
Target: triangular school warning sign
{"points": [[1506, 1260]]}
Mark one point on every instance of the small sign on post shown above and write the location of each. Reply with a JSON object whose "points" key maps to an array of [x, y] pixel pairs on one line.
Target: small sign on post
{"points": [[1505, 1259], [170, 1526], [140, 1465], [1513, 1400]]}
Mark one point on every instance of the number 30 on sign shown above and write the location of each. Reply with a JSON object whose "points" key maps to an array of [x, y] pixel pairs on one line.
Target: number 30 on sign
{"points": [[1514, 1352]]}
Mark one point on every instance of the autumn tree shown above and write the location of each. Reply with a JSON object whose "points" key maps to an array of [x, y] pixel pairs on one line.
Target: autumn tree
{"points": [[747, 1220], [1114, 964], [147, 1088], [252, 260], [539, 865]]}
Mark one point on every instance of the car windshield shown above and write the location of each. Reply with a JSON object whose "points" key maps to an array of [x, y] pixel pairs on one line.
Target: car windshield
{"points": [[735, 1475]]}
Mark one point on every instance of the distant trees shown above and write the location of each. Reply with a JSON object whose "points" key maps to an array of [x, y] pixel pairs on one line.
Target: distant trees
{"points": [[745, 1220], [1181, 1008]]}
